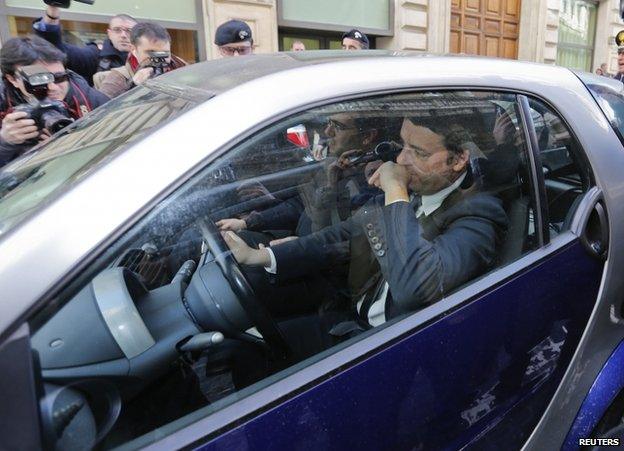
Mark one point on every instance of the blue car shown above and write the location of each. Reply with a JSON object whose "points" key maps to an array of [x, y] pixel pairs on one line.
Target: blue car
{"points": [[321, 250]]}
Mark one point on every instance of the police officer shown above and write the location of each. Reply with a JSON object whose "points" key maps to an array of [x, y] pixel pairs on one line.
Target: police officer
{"points": [[355, 40], [18, 132], [619, 40], [234, 39], [89, 59]]}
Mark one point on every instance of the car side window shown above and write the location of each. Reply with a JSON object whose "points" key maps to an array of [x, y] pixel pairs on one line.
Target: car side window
{"points": [[566, 174], [315, 232]]}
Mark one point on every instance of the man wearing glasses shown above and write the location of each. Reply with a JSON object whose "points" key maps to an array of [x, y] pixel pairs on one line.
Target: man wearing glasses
{"points": [[18, 132], [234, 38], [149, 57], [91, 58], [620, 75]]}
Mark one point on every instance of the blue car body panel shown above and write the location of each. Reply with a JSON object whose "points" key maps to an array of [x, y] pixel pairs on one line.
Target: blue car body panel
{"points": [[608, 384], [479, 375]]}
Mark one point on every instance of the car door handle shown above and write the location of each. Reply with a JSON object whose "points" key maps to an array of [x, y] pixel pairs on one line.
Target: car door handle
{"points": [[594, 232]]}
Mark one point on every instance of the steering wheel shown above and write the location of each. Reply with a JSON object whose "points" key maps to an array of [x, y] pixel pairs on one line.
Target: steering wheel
{"points": [[254, 308]]}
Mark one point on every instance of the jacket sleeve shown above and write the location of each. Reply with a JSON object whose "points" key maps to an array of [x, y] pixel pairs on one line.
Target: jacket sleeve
{"points": [[81, 59], [114, 84], [9, 152], [420, 272], [283, 216], [312, 253]]}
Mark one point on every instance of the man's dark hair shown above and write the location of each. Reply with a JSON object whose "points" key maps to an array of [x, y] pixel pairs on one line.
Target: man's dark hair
{"points": [[454, 134], [123, 17], [27, 51], [149, 30]]}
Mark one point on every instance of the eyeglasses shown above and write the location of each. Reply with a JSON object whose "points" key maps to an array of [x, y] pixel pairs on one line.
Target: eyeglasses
{"points": [[60, 77], [339, 126], [231, 50], [119, 30]]}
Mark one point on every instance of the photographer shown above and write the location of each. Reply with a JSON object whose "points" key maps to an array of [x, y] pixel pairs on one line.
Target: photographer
{"points": [[24, 106], [150, 56], [89, 59]]}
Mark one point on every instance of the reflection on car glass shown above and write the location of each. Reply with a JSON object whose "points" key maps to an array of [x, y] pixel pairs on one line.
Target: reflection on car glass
{"points": [[79, 148]]}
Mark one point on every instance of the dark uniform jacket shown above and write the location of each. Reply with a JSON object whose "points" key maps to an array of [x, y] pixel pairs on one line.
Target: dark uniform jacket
{"points": [[81, 98], [421, 259], [84, 60]]}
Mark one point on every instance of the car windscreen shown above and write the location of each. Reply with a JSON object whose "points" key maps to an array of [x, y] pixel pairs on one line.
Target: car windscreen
{"points": [[39, 176], [609, 94]]}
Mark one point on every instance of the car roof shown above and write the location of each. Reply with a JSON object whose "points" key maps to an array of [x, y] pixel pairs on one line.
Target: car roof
{"points": [[217, 76]]}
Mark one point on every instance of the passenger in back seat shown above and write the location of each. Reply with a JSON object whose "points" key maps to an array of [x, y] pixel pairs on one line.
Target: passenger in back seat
{"points": [[328, 197]]}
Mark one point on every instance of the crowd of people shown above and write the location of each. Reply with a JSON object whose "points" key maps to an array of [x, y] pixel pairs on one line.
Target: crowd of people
{"points": [[73, 80]]}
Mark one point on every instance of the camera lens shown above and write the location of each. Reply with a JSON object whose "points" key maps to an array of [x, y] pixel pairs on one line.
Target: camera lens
{"points": [[53, 121]]}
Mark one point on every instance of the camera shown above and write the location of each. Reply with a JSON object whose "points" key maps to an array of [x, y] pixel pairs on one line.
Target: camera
{"points": [[48, 114], [158, 60], [384, 151], [66, 3]]}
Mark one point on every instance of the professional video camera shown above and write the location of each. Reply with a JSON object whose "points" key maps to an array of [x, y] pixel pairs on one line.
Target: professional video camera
{"points": [[384, 151], [158, 60], [66, 3], [50, 115]]}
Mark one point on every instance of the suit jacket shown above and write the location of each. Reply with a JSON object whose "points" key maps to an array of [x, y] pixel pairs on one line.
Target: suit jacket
{"points": [[421, 259]]}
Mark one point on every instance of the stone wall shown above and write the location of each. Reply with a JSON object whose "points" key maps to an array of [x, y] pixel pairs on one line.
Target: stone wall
{"points": [[551, 37], [410, 26], [611, 24]]}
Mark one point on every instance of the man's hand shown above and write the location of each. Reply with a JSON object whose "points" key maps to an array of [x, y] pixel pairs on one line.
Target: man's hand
{"points": [[52, 11], [44, 135], [232, 224], [244, 254], [282, 240], [393, 180], [343, 161], [504, 129], [142, 75], [17, 128]]}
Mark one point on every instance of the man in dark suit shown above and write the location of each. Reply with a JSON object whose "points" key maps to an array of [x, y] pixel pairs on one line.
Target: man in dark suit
{"points": [[430, 232]]}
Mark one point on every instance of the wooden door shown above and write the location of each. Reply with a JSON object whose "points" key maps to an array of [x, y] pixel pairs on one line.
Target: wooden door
{"points": [[485, 27]]}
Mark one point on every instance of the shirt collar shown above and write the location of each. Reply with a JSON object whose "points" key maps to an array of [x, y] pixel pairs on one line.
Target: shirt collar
{"points": [[431, 202]]}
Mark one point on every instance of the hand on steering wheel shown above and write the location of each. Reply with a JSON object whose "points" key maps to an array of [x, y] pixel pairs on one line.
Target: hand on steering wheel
{"points": [[253, 307]]}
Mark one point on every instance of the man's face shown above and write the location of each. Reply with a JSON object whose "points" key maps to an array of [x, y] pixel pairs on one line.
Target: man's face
{"points": [[430, 165], [144, 46], [119, 33], [298, 47], [343, 134], [56, 91], [236, 49], [351, 44]]}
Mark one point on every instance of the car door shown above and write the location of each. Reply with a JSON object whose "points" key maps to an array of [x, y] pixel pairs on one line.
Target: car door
{"points": [[478, 362], [481, 368]]}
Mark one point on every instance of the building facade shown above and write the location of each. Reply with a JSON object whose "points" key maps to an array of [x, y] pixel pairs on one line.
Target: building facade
{"points": [[573, 33]]}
